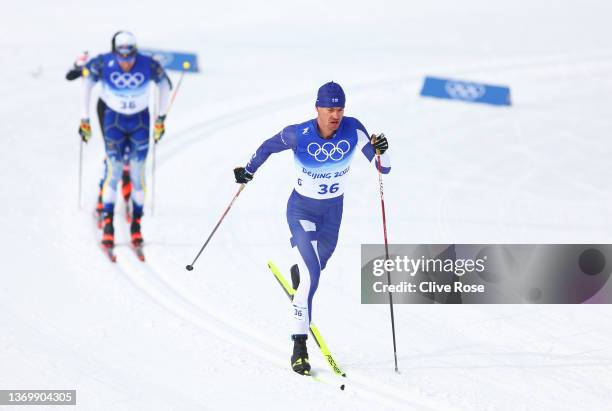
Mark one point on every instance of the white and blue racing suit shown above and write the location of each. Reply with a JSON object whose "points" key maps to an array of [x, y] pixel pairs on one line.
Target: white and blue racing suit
{"points": [[314, 209], [126, 118]]}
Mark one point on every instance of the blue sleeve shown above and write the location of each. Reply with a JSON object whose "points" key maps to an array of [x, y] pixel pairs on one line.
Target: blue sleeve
{"points": [[363, 139], [95, 66], [367, 149], [158, 74], [282, 141]]}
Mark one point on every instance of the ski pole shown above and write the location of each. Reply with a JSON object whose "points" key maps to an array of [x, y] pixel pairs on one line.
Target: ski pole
{"points": [[80, 171], [154, 154], [153, 180], [384, 221], [186, 66], [189, 267]]}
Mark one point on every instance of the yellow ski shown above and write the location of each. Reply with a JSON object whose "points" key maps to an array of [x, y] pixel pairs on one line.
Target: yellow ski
{"points": [[314, 331]]}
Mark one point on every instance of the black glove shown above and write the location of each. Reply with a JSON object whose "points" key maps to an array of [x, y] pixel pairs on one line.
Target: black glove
{"points": [[77, 69], [242, 176], [74, 73], [380, 143]]}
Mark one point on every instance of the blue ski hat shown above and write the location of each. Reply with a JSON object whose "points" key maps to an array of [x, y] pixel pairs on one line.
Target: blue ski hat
{"points": [[330, 95]]}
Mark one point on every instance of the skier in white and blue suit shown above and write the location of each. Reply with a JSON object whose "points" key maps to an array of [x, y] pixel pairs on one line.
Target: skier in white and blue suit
{"points": [[126, 76], [323, 150]]}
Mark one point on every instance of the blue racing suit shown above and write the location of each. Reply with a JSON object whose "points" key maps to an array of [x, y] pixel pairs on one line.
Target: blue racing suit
{"points": [[314, 209], [126, 119]]}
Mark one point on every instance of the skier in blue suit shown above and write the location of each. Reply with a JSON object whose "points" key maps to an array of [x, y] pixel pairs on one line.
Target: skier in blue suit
{"points": [[323, 150], [126, 77]]}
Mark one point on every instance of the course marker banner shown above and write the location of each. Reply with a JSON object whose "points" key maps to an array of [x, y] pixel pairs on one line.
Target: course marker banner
{"points": [[174, 60], [467, 91]]}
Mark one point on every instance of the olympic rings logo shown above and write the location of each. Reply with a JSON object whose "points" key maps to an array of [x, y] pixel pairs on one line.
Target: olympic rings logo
{"points": [[329, 150], [464, 91], [127, 80]]}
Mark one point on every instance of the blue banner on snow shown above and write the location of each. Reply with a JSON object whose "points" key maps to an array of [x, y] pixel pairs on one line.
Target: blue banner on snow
{"points": [[467, 91], [173, 60]]}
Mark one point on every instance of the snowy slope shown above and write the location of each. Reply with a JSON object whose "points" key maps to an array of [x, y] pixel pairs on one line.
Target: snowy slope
{"points": [[152, 336]]}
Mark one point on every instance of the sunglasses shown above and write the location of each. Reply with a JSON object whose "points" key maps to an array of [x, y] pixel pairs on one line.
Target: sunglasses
{"points": [[126, 54]]}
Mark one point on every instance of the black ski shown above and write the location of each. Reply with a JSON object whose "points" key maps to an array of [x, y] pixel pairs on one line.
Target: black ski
{"points": [[138, 250], [110, 253]]}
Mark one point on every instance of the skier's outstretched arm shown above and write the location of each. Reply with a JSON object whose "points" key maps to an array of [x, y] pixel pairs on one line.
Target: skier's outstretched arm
{"points": [[88, 84], [164, 86], [282, 141], [91, 74], [164, 95]]}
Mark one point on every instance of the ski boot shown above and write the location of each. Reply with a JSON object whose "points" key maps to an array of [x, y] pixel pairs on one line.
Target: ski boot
{"points": [[137, 236], [299, 359], [108, 233], [126, 191], [135, 230], [99, 209]]}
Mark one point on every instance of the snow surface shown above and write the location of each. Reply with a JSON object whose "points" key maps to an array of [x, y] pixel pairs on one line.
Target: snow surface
{"points": [[152, 336]]}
